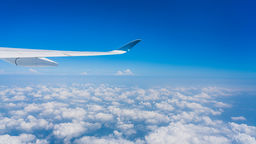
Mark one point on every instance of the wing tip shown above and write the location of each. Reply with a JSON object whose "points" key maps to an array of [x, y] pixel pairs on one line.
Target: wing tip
{"points": [[129, 45]]}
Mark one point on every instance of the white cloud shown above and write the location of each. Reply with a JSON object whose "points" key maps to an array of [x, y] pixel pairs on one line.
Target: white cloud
{"points": [[106, 140], [139, 115], [33, 123], [186, 134], [69, 130], [126, 72], [103, 117], [240, 118], [88, 113], [77, 113], [21, 139], [222, 105], [164, 106], [243, 128], [243, 134], [74, 129], [32, 108], [245, 139], [27, 124]]}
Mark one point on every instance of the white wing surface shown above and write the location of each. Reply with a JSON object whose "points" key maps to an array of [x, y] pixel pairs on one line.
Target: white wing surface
{"points": [[34, 57]]}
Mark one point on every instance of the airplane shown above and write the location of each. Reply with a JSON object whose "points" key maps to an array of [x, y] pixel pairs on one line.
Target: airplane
{"points": [[36, 58]]}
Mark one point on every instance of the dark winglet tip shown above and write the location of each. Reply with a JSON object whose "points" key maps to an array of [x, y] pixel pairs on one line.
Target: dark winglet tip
{"points": [[129, 45]]}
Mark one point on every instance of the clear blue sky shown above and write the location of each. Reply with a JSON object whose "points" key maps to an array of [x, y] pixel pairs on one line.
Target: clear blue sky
{"points": [[180, 37]]}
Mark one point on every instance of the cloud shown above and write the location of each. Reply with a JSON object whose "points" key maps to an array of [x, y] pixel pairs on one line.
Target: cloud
{"points": [[88, 113], [222, 105], [164, 106], [106, 140], [104, 117], [245, 139], [75, 113], [240, 118], [243, 134], [21, 139], [69, 130], [126, 72], [27, 124], [243, 128], [186, 134]]}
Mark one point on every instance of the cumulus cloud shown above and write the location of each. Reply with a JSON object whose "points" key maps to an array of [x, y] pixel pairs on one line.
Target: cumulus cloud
{"points": [[126, 72], [106, 140], [21, 139], [70, 130], [88, 113], [186, 134]]}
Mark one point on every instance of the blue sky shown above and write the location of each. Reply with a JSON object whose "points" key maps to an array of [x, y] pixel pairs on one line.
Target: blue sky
{"points": [[213, 38]]}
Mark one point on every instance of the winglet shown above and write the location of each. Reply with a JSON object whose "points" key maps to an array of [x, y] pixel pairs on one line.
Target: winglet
{"points": [[128, 46]]}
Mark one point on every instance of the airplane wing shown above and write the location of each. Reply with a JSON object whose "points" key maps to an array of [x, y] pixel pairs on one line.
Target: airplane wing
{"points": [[34, 57]]}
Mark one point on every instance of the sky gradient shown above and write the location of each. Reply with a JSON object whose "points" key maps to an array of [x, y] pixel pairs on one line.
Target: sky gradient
{"points": [[188, 38]]}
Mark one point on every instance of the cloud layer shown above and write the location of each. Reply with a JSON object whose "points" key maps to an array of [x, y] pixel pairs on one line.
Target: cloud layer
{"points": [[87, 113]]}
